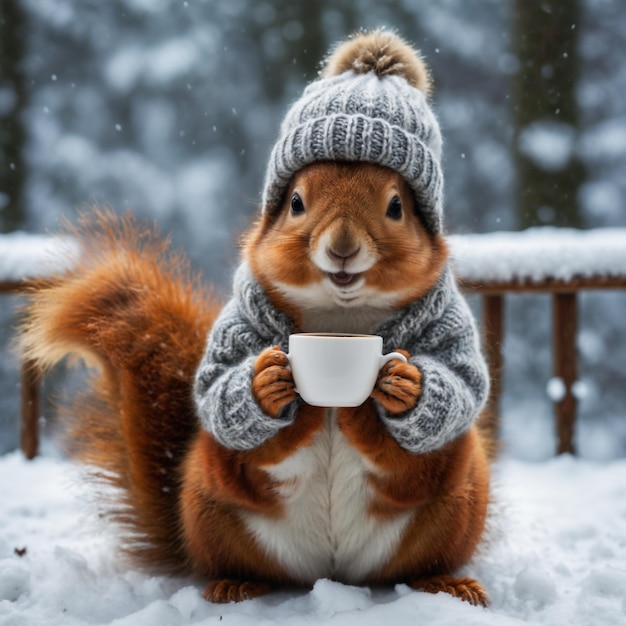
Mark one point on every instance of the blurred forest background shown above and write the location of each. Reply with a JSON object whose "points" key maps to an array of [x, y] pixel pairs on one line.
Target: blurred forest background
{"points": [[169, 108]]}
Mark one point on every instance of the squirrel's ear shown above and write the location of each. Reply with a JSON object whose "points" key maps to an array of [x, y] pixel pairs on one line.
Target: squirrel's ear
{"points": [[382, 52]]}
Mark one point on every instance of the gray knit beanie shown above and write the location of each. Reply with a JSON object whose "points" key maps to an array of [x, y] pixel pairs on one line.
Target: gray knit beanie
{"points": [[370, 104]]}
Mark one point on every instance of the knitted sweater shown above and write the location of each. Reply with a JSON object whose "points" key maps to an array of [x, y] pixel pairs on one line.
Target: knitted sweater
{"points": [[437, 330]]}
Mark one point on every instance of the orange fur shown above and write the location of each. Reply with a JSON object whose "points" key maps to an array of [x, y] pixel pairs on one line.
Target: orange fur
{"points": [[348, 202], [134, 312], [273, 385], [449, 487], [448, 490], [399, 386], [129, 309], [217, 485]]}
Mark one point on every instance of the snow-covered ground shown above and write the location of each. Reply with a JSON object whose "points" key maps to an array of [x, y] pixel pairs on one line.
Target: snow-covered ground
{"points": [[556, 554]]}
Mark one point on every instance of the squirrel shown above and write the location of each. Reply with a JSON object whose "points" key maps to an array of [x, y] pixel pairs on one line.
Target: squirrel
{"points": [[219, 469]]}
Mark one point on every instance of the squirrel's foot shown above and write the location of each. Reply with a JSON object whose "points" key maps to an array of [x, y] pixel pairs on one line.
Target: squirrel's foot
{"points": [[223, 591], [466, 589]]}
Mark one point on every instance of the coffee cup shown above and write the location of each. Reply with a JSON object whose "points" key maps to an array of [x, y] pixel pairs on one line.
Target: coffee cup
{"points": [[335, 369]]}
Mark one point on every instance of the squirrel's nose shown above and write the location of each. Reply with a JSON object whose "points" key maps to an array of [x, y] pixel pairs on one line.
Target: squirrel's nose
{"points": [[339, 251]]}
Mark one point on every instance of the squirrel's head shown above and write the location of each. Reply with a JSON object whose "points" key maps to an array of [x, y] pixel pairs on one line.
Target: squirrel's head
{"points": [[352, 203], [349, 235]]}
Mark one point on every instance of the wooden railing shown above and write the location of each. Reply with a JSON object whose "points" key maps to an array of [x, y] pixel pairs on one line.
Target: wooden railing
{"points": [[564, 332], [561, 263], [24, 256], [480, 280], [29, 388]]}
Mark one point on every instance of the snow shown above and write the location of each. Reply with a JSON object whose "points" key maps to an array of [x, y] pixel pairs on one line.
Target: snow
{"points": [[162, 63], [602, 199], [550, 145], [27, 256], [555, 554], [540, 253], [556, 389], [606, 142]]}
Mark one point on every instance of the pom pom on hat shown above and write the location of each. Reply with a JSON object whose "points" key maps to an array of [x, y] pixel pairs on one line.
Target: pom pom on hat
{"points": [[382, 53], [369, 104]]}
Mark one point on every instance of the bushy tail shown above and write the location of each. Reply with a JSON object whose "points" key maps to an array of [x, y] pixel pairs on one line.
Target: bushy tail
{"points": [[132, 310]]}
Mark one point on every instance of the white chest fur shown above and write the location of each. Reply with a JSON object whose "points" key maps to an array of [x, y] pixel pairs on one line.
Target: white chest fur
{"points": [[327, 531]]}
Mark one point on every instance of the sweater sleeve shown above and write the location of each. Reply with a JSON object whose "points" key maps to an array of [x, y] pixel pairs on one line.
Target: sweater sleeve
{"points": [[455, 382], [223, 385]]}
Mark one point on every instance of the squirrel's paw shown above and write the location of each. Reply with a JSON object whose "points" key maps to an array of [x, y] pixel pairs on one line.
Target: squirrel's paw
{"points": [[223, 591], [399, 386], [466, 589], [272, 385]]}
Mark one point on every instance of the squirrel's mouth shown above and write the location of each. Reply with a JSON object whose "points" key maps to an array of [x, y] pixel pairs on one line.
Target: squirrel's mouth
{"points": [[343, 279]]}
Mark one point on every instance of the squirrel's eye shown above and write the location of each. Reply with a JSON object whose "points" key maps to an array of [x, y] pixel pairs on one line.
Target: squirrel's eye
{"points": [[394, 210], [297, 206]]}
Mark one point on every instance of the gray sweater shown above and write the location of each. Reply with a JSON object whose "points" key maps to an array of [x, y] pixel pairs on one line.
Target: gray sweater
{"points": [[437, 330]]}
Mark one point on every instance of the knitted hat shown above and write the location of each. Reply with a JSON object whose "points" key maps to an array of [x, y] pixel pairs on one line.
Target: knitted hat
{"points": [[369, 104]]}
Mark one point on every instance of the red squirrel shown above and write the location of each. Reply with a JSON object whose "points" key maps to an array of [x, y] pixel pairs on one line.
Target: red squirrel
{"points": [[220, 470]]}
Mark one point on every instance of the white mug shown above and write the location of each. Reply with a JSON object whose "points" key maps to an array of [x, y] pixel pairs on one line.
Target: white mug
{"points": [[335, 369]]}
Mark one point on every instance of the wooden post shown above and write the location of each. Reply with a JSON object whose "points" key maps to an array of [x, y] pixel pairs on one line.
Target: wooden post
{"points": [[493, 338], [564, 324], [29, 435]]}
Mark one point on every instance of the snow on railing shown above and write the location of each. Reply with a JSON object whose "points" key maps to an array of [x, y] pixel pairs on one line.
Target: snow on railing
{"points": [[24, 256], [544, 260], [531, 258]]}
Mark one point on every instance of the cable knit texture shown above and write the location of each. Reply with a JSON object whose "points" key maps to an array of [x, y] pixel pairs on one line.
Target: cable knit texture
{"points": [[362, 117], [437, 330]]}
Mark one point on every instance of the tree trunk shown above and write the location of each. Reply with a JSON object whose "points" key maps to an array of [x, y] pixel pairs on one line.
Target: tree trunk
{"points": [[12, 103], [546, 116]]}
